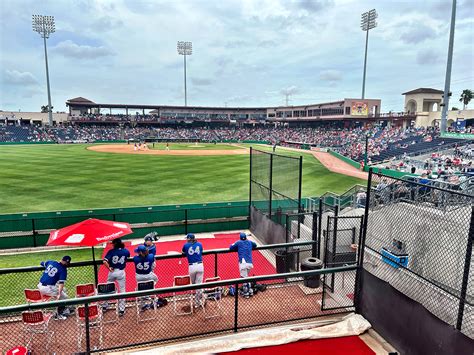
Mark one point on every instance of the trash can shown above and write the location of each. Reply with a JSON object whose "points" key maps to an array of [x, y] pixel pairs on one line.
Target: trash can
{"points": [[284, 260], [311, 264]]}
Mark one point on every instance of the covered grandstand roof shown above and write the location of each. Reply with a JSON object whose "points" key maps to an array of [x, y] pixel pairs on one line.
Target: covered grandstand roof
{"points": [[424, 91]]}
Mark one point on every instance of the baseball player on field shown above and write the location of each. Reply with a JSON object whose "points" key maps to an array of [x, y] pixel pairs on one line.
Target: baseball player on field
{"points": [[144, 266], [116, 260], [193, 252], [244, 248], [52, 282]]}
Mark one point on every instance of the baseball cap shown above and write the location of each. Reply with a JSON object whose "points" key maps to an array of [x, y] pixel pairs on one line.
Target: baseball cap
{"points": [[140, 249], [66, 258], [190, 236], [243, 236], [148, 239]]}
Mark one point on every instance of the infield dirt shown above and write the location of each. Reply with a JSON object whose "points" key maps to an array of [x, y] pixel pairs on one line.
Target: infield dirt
{"points": [[129, 149]]}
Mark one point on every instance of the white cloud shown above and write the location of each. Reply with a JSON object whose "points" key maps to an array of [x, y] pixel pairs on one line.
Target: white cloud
{"points": [[201, 81], [330, 75], [72, 50], [291, 90], [15, 77]]}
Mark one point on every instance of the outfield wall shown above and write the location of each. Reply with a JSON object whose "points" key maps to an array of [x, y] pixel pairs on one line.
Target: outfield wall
{"points": [[32, 229]]}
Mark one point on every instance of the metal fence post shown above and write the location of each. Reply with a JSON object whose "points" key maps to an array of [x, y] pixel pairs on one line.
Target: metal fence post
{"points": [[215, 265], [250, 184], [35, 244], [314, 236], [465, 277], [288, 228], [361, 248], [271, 187], [236, 308], [300, 183], [320, 224], [88, 336], [185, 221], [96, 270]]}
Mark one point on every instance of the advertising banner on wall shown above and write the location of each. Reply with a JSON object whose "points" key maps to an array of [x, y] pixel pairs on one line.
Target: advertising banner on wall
{"points": [[360, 108]]}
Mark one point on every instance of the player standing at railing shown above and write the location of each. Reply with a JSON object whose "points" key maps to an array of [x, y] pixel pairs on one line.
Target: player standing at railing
{"points": [[244, 248], [115, 261], [193, 252]]}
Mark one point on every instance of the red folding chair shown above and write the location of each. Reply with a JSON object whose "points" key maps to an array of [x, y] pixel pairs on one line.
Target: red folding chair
{"points": [[212, 295], [179, 297], [18, 350], [85, 290], [37, 323], [95, 322], [35, 296]]}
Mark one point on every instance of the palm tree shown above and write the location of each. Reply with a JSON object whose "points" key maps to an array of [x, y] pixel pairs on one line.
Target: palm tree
{"points": [[466, 97]]}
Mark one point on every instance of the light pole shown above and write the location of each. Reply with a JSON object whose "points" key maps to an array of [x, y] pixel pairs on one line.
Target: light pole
{"points": [[367, 22], [447, 83], [185, 49], [44, 25]]}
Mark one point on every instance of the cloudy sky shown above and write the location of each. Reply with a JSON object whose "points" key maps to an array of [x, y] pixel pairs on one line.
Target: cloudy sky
{"points": [[245, 52]]}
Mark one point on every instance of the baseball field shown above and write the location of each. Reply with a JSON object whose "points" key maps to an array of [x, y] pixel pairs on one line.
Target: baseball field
{"points": [[67, 177]]}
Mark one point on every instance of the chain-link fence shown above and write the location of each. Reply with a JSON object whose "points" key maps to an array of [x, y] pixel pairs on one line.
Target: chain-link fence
{"points": [[162, 315], [219, 262], [275, 182], [419, 239]]}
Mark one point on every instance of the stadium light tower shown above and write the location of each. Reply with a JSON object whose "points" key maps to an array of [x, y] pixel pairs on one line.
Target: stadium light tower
{"points": [[367, 22], [447, 82], [44, 25], [185, 49]]}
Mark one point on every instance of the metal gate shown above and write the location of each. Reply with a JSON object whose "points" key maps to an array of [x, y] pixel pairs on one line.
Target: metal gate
{"points": [[302, 227], [341, 240]]}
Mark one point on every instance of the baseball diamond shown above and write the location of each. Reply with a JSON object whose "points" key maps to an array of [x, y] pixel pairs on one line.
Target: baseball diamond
{"points": [[234, 177]]}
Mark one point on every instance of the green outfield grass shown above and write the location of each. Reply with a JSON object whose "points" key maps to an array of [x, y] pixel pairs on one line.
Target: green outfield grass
{"points": [[193, 146], [65, 177]]}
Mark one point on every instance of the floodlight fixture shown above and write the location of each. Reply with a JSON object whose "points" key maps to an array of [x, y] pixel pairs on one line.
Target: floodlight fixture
{"points": [[45, 25]]}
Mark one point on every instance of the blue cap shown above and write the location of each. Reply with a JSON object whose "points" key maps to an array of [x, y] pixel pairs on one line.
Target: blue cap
{"points": [[190, 236], [243, 236], [66, 258], [140, 249], [148, 239]]}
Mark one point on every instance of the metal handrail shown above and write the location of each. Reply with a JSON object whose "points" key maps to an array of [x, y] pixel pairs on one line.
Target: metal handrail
{"points": [[116, 296], [157, 257]]}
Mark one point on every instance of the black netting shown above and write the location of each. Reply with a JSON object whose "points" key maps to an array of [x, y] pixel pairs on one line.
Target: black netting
{"points": [[418, 238], [275, 183]]}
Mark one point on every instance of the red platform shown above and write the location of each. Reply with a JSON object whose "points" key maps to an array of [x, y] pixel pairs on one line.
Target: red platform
{"points": [[166, 269]]}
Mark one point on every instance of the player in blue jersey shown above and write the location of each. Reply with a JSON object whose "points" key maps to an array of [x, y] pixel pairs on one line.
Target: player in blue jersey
{"points": [[244, 248], [150, 246], [193, 252], [52, 282], [144, 266], [116, 260]]}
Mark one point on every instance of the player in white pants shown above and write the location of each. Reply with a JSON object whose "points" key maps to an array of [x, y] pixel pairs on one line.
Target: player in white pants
{"points": [[144, 266], [193, 252], [244, 248], [52, 282], [116, 260]]}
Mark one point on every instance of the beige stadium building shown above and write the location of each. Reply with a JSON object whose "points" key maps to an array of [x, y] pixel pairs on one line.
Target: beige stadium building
{"points": [[422, 108]]}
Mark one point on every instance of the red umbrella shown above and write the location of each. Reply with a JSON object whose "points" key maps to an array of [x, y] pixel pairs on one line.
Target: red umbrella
{"points": [[89, 233]]}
